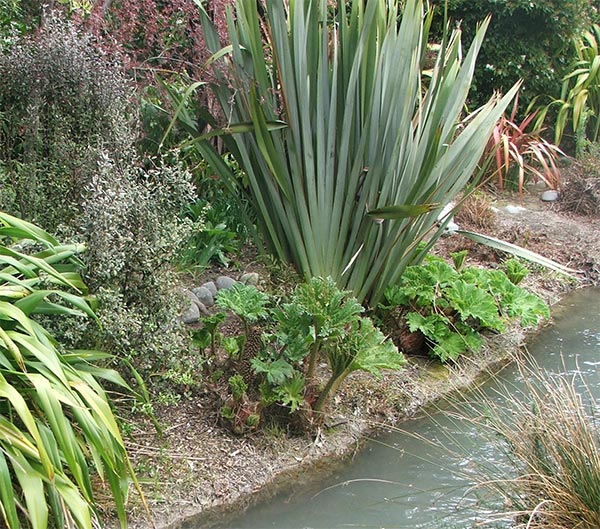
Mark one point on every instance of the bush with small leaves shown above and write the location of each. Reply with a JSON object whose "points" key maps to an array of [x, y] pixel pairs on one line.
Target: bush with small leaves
{"points": [[67, 151], [61, 104]]}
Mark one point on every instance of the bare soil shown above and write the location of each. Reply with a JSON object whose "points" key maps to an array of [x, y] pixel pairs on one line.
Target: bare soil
{"points": [[197, 473]]}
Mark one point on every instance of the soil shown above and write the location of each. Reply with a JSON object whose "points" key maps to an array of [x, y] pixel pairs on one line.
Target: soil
{"points": [[197, 473]]}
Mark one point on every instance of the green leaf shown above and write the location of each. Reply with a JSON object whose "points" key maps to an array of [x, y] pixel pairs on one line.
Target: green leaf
{"points": [[472, 302], [61, 421], [291, 392], [32, 485], [517, 303], [402, 211], [518, 251], [7, 497], [375, 351], [453, 344], [244, 300], [21, 229], [277, 371]]}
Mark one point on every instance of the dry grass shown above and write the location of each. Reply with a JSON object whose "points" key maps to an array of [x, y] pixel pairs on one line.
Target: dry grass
{"points": [[553, 445], [476, 212], [581, 193]]}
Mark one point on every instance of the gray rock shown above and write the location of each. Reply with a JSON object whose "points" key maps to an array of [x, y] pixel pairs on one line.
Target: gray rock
{"points": [[204, 296], [249, 278], [550, 195], [212, 288], [202, 308], [196, 302], [225, 282], [513, 210], [191, 315]]}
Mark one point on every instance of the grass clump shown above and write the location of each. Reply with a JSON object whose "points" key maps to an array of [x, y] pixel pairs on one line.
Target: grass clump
{"points": [[551, 440]]}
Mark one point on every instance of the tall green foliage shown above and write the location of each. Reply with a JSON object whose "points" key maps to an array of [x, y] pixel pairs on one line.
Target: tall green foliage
{"points": [[347, 150], [527, 39], [57, 430], [68, 163], [579, 102]]}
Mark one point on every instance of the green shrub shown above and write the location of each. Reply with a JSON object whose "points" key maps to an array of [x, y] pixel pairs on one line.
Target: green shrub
{"points": [[527, 40], [67, 152], [61, 106], [347, 154], [318, 322], [59, 433], [321, 322], [578, 108], [131, 226], [451, 307]]}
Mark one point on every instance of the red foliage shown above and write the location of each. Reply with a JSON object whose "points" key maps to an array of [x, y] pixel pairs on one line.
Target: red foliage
{"points": [[164, 35]]}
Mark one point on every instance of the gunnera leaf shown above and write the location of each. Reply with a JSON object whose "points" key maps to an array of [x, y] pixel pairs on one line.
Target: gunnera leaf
{"points": [[471, 301]]}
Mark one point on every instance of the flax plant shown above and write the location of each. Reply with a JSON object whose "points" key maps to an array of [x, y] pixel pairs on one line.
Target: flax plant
{"points": [[579, 103], [58, 434], [349, 150]]}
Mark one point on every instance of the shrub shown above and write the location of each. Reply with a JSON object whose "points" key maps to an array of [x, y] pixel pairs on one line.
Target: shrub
{"points": [[581, 193], [132, 229], [521, 153], [321, 322], [68, 152], [58, 430], [152, 34], [578, 107], [476, 212], [61, 104], [318, 322], [451, 306], [527, 40]]}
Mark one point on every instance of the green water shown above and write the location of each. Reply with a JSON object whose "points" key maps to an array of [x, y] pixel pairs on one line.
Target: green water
{"points": [[402, 481]]}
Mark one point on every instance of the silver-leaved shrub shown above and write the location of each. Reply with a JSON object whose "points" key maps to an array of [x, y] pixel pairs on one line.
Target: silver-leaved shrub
{"points": [[68, 162]]}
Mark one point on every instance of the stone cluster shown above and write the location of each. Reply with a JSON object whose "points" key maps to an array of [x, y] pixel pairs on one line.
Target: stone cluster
{"points": [[201, 298]]}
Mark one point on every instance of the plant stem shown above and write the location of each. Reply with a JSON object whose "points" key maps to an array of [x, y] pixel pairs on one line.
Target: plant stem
{"points": [[330, 388], [312, 363]]}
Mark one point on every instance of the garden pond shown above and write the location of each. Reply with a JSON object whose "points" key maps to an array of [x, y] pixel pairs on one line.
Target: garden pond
{"points": [[419, 477]]}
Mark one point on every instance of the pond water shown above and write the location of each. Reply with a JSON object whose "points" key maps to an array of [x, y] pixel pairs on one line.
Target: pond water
{"points": [[419, 478]]}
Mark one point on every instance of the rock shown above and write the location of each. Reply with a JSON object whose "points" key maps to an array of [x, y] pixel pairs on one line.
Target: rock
{"points": [[249, 278], [550, 195], [196, 302], [514, 210], [225, 282], [212, 288], [204, 295], [191, 315], [451, 227]]}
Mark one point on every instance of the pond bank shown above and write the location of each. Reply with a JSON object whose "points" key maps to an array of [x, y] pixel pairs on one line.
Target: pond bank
{"points": [[197, 473]]}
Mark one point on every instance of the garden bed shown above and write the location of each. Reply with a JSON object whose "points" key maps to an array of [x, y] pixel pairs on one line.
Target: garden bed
{"points": [[198, 473]]}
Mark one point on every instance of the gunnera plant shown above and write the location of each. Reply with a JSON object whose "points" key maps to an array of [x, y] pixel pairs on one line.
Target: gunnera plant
{"points": [[68, 162]]}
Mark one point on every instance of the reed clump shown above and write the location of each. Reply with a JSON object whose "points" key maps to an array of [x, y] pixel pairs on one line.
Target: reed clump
{"points": [[551, 439]]}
